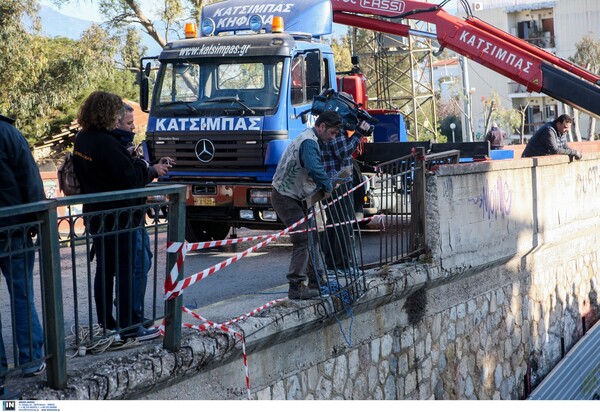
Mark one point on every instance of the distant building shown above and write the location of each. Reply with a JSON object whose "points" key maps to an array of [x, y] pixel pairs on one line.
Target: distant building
{"points": [[446, 77], [553, 25]]}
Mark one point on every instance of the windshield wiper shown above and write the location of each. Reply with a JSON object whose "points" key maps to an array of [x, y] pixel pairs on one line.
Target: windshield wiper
{"points": [[188, 104], [231, 99]]}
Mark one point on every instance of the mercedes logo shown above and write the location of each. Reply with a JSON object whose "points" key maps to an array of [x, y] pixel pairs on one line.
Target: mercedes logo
{"points": [[205, 150]]}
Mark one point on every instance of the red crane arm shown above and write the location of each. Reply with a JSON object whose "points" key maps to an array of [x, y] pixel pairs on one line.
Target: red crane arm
{"points": [[537, 69]]}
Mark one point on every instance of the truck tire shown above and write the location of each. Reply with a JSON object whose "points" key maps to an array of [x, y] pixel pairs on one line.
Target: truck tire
{"points": [[202, 231]]}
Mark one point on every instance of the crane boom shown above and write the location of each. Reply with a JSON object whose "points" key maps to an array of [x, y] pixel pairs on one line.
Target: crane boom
{"points": [[529, 65]]}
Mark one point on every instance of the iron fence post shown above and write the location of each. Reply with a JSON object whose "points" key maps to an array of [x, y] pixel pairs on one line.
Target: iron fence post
{"points": [[54, 325], [176, 233], [418, 211]]}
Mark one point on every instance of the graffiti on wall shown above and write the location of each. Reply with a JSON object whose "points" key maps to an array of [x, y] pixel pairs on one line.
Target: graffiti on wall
{"points": [[495, 200], [589, 183]]}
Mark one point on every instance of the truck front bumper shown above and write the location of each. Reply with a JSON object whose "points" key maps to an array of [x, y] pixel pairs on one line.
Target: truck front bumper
{"points": [[234, 204]]}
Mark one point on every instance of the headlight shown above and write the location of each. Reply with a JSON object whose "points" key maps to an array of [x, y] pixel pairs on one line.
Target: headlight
{"points": [[269, 215], [246, 215], [256, 23]]}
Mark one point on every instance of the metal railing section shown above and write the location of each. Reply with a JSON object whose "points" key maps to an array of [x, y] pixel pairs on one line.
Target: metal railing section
{"points": [[58, 232], [335, 247]]}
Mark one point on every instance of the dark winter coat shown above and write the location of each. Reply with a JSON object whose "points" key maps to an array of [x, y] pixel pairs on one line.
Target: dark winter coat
{"points": [[548, 141], [20, 180], [102, 164]]}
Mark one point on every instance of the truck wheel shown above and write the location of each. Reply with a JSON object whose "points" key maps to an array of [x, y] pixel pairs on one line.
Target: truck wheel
{"points": [[202, 231]]}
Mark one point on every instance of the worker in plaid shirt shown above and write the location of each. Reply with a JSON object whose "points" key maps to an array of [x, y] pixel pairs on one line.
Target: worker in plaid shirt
{"points": [[337, 157]]}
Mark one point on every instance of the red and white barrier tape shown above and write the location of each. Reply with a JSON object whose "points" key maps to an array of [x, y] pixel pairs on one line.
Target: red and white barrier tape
{"points": [[224, 327], [173, 288], [217, 243], [348, 222]]}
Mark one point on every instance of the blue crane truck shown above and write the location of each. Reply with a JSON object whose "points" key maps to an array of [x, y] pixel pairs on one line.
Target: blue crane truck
{"points": [[226, 104]]}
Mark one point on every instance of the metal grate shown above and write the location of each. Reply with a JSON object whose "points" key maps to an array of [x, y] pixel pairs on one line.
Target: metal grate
{"points": [[577, 375]]}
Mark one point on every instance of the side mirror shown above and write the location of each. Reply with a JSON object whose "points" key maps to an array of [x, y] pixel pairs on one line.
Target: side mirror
{"points": [[304, 118], [144, 92], [147, 69]]}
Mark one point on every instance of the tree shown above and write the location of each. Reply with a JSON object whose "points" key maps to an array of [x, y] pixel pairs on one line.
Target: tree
{"points": [[44, 80], [18, 64], [173, 13], [341, 53], [448, 112], [587, 55]]}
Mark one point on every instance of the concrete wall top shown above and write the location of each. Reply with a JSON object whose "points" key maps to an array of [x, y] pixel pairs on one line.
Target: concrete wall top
{"points": [[487, 212]]}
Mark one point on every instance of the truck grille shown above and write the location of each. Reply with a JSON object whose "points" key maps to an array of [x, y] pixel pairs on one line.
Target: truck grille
{"points": [[239, 151]]}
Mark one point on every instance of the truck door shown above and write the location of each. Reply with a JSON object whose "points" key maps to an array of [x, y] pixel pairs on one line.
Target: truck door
{"points": [[309, 75]]}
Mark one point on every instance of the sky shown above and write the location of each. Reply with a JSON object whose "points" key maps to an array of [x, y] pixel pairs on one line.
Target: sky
{"points": [[88, 9]]}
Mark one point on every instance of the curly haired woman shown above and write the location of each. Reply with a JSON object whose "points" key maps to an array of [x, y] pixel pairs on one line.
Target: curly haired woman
{"points": [[103, 164]]}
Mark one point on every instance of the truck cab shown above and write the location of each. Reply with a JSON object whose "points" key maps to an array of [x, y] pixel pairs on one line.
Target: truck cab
{"points": [[226, 104]]}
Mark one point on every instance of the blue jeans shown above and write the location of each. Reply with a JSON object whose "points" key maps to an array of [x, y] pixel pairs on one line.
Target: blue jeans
{"points": [[18, 271], [141, 266]]}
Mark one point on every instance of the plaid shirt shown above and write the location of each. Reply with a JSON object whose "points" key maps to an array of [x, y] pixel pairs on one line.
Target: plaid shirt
{"points": [[337, 154]]}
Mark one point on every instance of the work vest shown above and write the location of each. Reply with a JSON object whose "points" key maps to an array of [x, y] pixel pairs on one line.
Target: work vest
{"points": [[291, 179]]}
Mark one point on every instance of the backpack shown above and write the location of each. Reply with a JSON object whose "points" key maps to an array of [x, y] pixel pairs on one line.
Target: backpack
{"points": [[67, 179]]}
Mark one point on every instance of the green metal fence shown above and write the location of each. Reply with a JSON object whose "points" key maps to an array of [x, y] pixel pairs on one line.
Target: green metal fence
{"points": [[65, 266]]}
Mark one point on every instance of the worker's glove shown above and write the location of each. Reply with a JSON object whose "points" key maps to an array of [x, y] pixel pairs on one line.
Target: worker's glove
{"points": [[364, 128], [576, 155]]}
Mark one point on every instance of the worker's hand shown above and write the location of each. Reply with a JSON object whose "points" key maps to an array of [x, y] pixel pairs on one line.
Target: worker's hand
{"points": [[577, 155], [166, 161], [161, 168], [364, 128]]}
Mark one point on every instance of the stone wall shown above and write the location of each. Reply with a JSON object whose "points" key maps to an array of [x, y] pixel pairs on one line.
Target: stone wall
{"points": [[488, 344]]}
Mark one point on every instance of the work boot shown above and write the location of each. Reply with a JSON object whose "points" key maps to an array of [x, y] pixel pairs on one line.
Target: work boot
{"points": [[299, 291], [315, 281]]}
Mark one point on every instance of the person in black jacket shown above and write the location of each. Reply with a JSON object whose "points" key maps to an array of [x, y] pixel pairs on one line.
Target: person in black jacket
{"points": [[552, 139], [103, 164], [496, 137], [143, 253], [20, 183]]}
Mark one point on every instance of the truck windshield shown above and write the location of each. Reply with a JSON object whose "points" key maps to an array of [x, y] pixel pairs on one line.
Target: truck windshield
{"points": [[219, 87]]}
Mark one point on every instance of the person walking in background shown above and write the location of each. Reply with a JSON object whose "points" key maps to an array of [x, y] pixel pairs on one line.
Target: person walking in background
{"points": [[20, 183], [496, 137], [299, 173], [142, 260], [552, 139], [102, 163]]}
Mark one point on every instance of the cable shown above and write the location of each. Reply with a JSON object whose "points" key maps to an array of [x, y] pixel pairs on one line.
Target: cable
{"points": [[96, 341]]}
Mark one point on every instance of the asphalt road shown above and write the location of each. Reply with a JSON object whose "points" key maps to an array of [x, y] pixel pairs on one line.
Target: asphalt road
{"points": [[260, 273]]}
